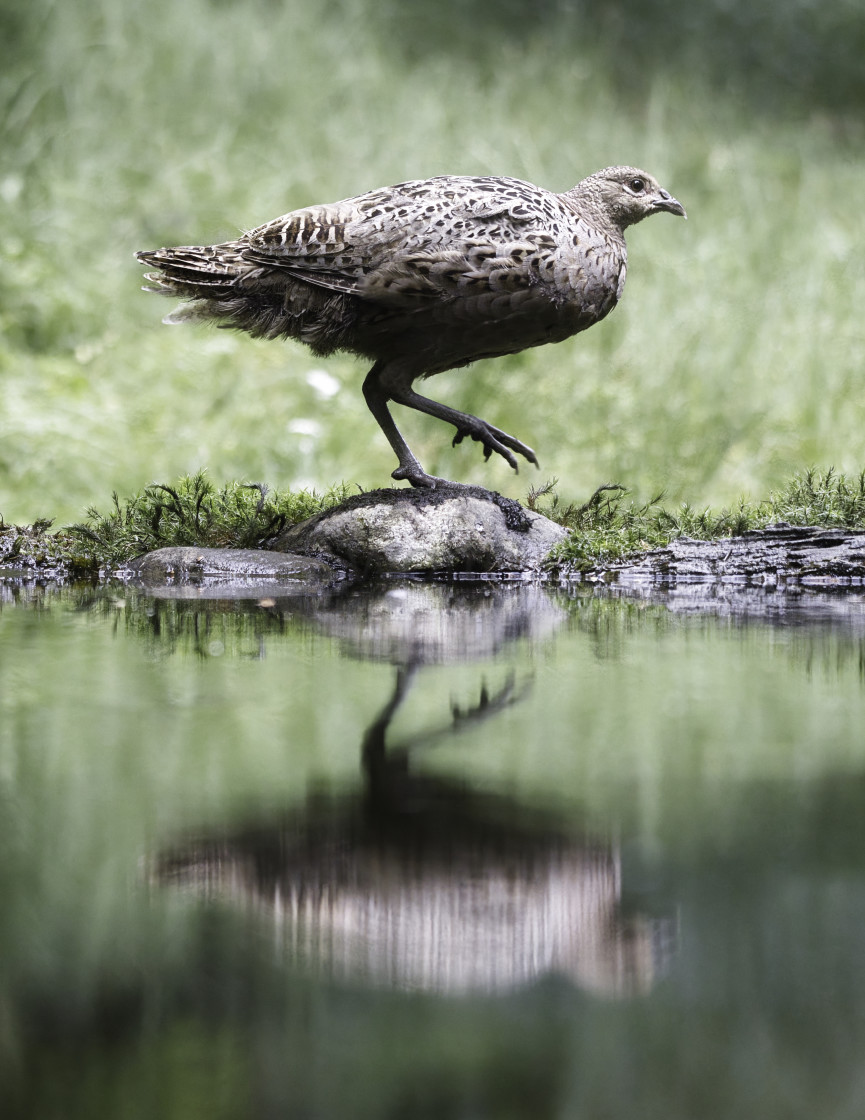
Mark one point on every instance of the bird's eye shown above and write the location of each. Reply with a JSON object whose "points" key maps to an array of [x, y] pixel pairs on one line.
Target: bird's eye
{"points": [[637, 185]]}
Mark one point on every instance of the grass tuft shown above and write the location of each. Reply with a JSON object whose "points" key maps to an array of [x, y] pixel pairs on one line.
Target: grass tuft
{"points": [[608, 527], [194, 511]]}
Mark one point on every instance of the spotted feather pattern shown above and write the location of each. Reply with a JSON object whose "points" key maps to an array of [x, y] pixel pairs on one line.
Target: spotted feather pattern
{"points": [[423, 276]]}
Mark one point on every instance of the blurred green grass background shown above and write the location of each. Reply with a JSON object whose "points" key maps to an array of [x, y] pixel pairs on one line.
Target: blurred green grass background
{"points": [[735, 358]]}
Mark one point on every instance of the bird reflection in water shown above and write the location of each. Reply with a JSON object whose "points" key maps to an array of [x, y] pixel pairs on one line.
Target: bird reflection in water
{"points": [[419, 882]]}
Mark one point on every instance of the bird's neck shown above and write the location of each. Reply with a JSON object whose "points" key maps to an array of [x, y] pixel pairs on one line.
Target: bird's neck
{"points": [[583, 204]]}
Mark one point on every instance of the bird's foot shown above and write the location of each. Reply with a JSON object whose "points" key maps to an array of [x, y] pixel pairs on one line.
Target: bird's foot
{"points": [[494, 439], [417, 476]]}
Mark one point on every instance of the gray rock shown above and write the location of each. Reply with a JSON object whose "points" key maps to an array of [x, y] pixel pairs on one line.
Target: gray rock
{"points": [[467, 529], [239, 565]]}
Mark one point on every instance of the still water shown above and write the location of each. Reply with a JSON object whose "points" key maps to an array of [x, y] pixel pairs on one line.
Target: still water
{"points": [[432, 850]]}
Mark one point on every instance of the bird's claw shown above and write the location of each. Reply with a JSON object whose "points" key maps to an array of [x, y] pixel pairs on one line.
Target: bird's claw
{"points": [[494, 439]]}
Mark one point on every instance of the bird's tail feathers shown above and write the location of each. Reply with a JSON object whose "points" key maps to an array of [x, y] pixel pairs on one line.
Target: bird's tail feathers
{"points": [[195, 264], [186, 312]]}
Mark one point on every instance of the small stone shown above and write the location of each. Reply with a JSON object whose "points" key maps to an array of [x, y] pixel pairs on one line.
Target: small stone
{"points": [[222, 564]]}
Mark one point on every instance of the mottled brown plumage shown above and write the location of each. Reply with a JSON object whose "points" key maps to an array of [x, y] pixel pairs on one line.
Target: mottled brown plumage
{"points": [[423, 277]]}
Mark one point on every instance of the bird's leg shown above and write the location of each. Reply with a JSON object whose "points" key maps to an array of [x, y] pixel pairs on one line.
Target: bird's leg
{"points": [[493, 439], [409, 468]]}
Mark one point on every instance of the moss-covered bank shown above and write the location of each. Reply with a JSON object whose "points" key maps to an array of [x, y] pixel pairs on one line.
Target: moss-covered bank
{"points": [[610, 525]]}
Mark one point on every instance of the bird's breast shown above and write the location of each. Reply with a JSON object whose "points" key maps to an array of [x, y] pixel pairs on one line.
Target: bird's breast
{"points": [[484, 300]]}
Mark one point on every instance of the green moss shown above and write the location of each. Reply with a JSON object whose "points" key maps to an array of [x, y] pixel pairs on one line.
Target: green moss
{"points": [[192, 511], [24, 547], [609, 526], [606, 528]]}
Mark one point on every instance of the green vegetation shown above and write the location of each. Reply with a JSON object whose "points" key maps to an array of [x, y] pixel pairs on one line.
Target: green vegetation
{"points": [[608, 527], [192, 511], [735, 359]]}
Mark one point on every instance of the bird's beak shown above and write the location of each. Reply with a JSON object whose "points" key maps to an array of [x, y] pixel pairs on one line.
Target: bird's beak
{"points": [[664, 201]]}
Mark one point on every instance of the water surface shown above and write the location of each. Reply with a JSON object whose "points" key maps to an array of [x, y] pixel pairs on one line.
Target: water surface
{"points": [[432, 850]]}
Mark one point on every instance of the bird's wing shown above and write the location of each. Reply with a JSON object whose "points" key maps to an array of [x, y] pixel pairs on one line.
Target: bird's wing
{"points": [[421, 237]]}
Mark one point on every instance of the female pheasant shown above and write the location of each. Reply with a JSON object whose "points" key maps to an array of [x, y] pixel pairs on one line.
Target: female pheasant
{"points": [[423, 277]]}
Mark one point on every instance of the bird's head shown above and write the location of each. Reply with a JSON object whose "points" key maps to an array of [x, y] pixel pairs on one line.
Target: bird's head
{"points": [[627, 195]]}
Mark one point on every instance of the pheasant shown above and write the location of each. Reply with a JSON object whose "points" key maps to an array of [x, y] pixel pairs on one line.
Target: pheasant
{"points": [[423, 277]]}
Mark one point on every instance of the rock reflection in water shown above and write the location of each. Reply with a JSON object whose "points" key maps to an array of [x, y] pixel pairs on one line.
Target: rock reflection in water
{"points": [[419, 882]]}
